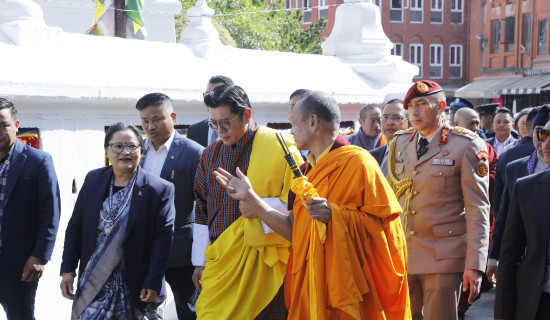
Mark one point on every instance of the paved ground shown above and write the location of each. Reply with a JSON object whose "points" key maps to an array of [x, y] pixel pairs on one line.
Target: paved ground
{"points": [[482, 309]]}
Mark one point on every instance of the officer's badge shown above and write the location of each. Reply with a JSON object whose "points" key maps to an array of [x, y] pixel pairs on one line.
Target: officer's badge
{"points": [[482, 155], [422, 87], [445, 152], [482, 169], [457, 100]]}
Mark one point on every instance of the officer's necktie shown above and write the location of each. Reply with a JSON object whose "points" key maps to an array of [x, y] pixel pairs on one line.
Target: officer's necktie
{"points": [[422, 147]]}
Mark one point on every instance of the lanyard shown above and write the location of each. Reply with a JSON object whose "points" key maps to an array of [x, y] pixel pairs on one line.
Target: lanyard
{"points": [[130, 186]]}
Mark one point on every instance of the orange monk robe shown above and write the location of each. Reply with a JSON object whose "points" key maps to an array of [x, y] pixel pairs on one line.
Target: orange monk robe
{"points": [[361, 270]]}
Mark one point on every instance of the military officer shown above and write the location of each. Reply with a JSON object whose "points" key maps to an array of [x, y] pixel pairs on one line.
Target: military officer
{"points": [[440, 176]]}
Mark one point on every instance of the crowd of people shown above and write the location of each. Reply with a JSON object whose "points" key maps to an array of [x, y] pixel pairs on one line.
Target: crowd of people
{"points": [[411, 217]]}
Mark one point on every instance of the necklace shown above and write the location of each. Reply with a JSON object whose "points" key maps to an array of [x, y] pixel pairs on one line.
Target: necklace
{"points": [[121, 206]]}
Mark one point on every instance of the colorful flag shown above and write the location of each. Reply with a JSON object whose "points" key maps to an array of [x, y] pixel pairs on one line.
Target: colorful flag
{"points": [[29, 136], [134, 20], [104, 20]]}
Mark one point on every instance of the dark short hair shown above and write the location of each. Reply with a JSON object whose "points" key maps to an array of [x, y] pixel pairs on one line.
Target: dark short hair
{"points": [[394, 101], [221, 79], [505, 110], [155, 99], [300, 92], [321, 104], [122, 126], [366, 108], [232, 96], [7, 104]]}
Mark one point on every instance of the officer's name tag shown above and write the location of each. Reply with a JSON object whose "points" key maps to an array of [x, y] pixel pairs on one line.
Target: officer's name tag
{"points": [[443, 162]]}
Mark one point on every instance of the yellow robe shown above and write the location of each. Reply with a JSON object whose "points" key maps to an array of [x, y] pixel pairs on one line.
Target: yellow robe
{"points": [[362, 266], [245, 267]]}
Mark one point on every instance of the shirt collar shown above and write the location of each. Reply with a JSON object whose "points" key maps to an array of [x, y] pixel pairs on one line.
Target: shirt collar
{"points": [[167, 144], [430, 136], [505, 141], [311, 158]]}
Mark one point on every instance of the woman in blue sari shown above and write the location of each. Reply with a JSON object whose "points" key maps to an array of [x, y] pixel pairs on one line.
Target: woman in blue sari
{"points": [[120, 233]]}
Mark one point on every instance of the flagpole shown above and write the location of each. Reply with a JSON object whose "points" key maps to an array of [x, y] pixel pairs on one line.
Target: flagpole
{"points": [[120, 18]]}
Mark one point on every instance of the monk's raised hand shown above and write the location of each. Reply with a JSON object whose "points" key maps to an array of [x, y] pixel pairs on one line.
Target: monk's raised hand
{"points": [[238, 187], [319, 209]]}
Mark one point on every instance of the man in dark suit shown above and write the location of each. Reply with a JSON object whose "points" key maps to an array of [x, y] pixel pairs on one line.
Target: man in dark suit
{"points": [[523, 290], [394, 118], [519, 168], [200, 132], [175, 159], [29, 216]]}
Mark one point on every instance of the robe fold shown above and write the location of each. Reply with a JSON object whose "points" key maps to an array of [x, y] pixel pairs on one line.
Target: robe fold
{"points": [[361, 270]]}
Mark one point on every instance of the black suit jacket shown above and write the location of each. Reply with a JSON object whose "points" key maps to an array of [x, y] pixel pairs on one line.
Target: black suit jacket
{"points": [[198, 132], [179, 168], [514, 170], [31, 207], [524, 148], [524, 251], [149, 230], [379, 153]]}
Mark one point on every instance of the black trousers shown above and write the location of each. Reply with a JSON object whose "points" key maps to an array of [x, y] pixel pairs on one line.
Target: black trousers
{"points": [[543, 311], [16, 297], [179, 279]]}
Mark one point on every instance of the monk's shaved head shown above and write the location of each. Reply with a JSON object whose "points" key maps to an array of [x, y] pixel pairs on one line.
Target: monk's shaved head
{"points": [[467, 118]]}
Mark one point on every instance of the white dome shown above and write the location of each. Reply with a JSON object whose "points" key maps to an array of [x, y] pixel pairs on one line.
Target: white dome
{"points": [[19, 10]]}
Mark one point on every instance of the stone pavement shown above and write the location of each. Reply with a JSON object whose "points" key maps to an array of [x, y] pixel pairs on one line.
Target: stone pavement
{"points": [[482, 309]]}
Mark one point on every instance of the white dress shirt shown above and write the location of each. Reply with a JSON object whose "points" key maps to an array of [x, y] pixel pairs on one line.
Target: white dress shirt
{"points": [[154, 159], [499, 146]]}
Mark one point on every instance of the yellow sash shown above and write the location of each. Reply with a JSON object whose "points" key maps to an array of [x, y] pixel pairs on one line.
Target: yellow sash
{"points": [[245, 267]]}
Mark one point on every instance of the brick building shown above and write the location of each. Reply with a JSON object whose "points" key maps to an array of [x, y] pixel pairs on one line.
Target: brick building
{"points": [[431, 34], [511, 40]]}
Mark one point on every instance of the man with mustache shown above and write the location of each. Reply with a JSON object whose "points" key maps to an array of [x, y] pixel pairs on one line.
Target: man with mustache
{"points": [[393, 119]]}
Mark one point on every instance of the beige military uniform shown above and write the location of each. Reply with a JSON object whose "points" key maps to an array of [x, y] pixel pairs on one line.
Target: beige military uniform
{"points": [[444, 195]]}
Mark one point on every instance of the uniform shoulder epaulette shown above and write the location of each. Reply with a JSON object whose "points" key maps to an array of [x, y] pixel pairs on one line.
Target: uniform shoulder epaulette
{"points": [[464, 132], [410, 130]]}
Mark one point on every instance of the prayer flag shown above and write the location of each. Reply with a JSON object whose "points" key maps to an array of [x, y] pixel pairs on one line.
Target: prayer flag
{"points": [[104, 20], [134, 21]]}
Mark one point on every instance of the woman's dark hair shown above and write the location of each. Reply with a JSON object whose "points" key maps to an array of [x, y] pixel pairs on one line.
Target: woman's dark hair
{"points": [[122, 126], [232, 96]]}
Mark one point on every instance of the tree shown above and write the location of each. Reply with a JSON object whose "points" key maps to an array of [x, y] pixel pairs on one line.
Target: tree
{"points": [[253, 24]]}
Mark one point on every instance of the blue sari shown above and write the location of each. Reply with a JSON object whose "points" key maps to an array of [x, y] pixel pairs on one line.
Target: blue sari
{"points": [[102, 292]]}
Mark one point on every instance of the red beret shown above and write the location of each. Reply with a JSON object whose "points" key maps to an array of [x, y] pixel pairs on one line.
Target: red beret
{"points": [[421, 88]]}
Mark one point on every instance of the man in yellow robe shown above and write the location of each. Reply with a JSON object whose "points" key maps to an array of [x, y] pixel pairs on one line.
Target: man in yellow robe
{"points": [[239, 263], [348, 257]]}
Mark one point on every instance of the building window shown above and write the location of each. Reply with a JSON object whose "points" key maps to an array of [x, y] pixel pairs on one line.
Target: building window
{"points": [[292, 4], [416, 57], [436, 56], [436, 12], [416, 11], [542, 37], [323, 9], [455, 61], [306, 8], [495, 36], [396, 11], [526, 32], [457, 8], [397, 49], [509, 32]]}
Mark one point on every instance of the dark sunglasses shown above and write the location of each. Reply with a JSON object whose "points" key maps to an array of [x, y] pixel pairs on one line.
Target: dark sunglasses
{"points": [[542, 134]]}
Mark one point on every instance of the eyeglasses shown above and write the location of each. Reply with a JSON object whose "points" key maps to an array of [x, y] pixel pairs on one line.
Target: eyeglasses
{"points": [[224, 124], [397, 119], [118, 148], [542, 134]]}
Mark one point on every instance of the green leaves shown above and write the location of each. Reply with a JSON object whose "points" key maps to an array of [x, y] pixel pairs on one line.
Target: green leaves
{"points": [[257, 24]]}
